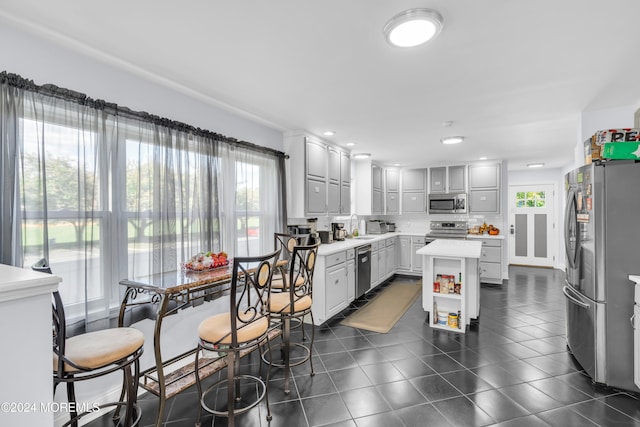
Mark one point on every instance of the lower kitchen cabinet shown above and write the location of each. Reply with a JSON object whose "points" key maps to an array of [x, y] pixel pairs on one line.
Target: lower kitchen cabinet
{"points": [[408, 262], [491, 261], [351, 275], [334, 284], [391, 263]]}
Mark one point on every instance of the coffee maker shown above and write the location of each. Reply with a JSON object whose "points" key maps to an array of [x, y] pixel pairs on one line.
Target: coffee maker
{"points": [[339, 233]]}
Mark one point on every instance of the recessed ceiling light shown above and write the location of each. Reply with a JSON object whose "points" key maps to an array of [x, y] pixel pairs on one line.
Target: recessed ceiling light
{"points": [[351, 144], [329, 133], [535, 165], [413, 27], [452, 140], [396, 164], [483, 158], [361, 156]]}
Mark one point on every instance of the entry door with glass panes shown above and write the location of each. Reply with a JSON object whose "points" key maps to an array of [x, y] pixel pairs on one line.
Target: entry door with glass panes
{"points": [[531, 225]]}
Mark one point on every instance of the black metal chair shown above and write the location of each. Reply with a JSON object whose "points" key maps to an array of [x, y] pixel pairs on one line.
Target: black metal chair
{"points": [[286, 243], [244, 328], [294, 303], [95, 354]]}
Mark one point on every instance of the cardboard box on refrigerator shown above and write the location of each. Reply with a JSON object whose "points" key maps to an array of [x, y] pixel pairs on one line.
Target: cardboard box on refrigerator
{"points": [[593, 147]]}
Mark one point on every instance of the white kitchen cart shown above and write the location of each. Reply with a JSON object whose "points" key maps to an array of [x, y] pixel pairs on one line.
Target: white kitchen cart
{"points": [[453, 258]]}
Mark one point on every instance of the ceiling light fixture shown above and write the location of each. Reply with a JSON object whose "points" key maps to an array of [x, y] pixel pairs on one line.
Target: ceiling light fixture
{"points": [[535, 165], [483, 158], [361, 156], [452, 140], [329, 133], [351, 144], [413, 27]]}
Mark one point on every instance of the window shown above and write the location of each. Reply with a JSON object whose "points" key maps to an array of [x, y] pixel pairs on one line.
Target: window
{"points": [[104, 196], [530, 199]]}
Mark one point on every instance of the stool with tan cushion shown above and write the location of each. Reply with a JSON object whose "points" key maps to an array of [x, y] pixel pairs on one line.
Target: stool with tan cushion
{"points": [[294, 304], [95, 354], [243, 328], [284, 242]]}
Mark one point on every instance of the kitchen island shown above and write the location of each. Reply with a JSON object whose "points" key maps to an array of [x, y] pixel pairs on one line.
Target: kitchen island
{"points": [[451, 283]]}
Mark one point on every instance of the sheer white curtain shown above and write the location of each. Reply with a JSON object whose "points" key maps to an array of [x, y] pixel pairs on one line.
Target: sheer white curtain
{"points": [[251, 202], [105, 193]]}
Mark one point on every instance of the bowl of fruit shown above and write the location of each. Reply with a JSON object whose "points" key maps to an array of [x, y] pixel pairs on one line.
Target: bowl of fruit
{"points": [[205, 261]]}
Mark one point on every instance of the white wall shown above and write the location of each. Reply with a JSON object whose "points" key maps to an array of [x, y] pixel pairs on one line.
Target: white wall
{"points": [[44, 61]]}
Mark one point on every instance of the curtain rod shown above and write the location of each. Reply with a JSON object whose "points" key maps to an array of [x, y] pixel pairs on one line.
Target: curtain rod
{"points": [[20, 82]]}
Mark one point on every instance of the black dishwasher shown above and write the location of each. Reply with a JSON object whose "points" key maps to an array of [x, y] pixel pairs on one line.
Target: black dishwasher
{"points": [[363, 270]]}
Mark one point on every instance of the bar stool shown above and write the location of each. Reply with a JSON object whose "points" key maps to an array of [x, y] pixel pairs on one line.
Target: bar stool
{"points": [[294, 304], [286, 243], [92, 355], [244, 328]]}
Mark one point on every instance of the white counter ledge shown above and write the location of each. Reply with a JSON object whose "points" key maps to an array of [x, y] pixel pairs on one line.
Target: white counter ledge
{"points": [[452, 248], [25, 314]]}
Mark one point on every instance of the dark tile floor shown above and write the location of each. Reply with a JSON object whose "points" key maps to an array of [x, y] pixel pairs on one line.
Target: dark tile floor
{"points": [[512, 369]]}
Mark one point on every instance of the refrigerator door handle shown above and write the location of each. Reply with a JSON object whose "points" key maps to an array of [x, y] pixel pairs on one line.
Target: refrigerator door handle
{"points": [[577, 302], [572, 258], [633, 321]]}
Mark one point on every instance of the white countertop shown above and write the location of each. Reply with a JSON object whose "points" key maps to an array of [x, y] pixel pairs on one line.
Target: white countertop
{"points": [[332, 248], [452, 248], [485, 236], [18, 283]]}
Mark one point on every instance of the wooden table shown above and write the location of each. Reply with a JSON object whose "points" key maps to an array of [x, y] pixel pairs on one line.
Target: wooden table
{"points": [[171, 292]]}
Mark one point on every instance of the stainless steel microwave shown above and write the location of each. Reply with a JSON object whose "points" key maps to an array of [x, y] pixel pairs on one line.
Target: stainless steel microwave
{"points": [[448, 203]]}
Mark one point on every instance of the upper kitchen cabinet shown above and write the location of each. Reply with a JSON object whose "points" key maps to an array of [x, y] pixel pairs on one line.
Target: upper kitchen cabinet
{"points": [[345, 183], [315, 182], [392, 196], [447, 179], [457, 179], [369, 187], [438, 179], [484, 176], [414, 194], [484, 189]]}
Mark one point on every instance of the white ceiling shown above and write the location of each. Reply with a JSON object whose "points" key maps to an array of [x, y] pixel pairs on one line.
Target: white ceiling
{"points": [[512, 75]]}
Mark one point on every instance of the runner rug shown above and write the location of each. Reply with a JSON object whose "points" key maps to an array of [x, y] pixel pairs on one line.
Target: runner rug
{"points": [[385, 309]]}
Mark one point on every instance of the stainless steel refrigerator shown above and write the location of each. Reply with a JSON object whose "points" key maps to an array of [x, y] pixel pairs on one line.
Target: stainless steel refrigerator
{"points": [[602, 242]]}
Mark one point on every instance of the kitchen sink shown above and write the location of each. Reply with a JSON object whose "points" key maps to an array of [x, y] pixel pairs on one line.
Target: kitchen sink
{"points": [[364, 237]]}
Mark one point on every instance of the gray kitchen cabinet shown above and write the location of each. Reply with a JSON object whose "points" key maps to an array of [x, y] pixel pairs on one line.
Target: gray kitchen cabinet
{"points": [[392, 203], [404, 254], [316, 159], [345, 198], [377, 207], [334, 164], [414, 202], [391, 262], [414, 194], [484, 176], [416, 260], [345, 183], [331, 286], [351, 275], [491, 261], [414, 180], [334, 200], [382, 263], [316, 197], [438, 179], [457, 179], [376, 178], [317, 171], [484, 189], [392, 180], [375, 274], [484, 202]]}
